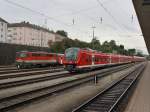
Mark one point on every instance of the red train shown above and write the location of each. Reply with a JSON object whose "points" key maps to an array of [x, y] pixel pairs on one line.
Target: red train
{"points": [[25, 59], [78, 59]]}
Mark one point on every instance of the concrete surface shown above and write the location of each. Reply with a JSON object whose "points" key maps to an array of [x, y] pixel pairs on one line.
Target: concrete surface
{"points": [[34, 86], [22, 72], [30, 77], [70, 99], [140, 101]]}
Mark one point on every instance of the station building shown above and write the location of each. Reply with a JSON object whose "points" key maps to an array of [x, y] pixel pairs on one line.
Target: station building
{"points": [[3, 30]]}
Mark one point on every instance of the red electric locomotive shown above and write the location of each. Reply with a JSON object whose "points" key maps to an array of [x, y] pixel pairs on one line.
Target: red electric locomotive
{"points": [[26, 59], [78, 59]]}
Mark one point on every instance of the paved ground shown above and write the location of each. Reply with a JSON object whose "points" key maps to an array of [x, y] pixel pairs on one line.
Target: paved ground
{"points": [[140, 101], [70, 99]]}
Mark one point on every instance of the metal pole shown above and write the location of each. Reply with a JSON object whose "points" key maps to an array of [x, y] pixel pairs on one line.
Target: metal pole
{"points": [[95, 79], [41, 39], [93, 27]]}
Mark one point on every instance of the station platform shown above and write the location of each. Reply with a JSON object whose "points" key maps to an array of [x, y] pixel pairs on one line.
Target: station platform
{"points": [[140, 101]]}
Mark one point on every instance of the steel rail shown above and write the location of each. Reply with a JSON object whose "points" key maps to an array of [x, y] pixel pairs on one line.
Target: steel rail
{"points": [[19, 99], [7, 71], [108, 98], [40, 79], [29, 73]]}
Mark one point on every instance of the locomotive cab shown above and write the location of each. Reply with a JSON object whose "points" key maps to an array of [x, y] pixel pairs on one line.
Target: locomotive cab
{"points": [[20, 56], [70, 59]]}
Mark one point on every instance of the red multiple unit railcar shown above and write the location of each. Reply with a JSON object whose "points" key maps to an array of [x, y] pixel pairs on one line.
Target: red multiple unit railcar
{"points": [[26, 59], [79, 59]]}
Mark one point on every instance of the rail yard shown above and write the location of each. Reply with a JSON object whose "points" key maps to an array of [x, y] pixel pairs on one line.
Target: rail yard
{"points": [[25, 89], [74, 56]]}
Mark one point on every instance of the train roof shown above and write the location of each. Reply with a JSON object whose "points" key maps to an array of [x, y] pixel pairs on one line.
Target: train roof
{"points": [[35, 52]]}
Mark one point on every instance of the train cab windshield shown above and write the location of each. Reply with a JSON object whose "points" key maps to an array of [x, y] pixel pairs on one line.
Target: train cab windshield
{"points": [[71, 54], [21, 55]]}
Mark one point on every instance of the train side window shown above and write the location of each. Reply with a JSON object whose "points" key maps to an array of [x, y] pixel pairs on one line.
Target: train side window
{"points": [[93, 59], [108, 59], [87, 59], [96, 59], [104, 59], [23, 55], [50, 55], [38, 55], [35, 54], [42, 54], [99, 59], [90, 59]]}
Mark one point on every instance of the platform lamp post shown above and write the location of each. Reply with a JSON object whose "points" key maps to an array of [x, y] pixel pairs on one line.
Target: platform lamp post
{"points": [[93, 27]]}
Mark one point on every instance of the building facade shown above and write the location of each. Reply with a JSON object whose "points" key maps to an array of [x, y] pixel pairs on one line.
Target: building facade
{"points": [[3, 31], [28, 34]]}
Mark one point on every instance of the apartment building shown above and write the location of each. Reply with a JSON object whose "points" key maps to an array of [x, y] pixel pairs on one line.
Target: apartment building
{"points": [[28, 34], [3, 30]]}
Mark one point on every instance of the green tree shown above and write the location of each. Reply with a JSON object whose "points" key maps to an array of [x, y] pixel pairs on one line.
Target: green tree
{"points": [[62, 32], [139, 53], [131, 52], [121, 49], [67, 43], [95, 44], [106, 47]]}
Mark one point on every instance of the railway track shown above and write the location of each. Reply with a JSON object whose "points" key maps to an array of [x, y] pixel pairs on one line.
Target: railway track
{"points": [[9, 102], [108, 100], [31, 80], [34, 79], [14, 70], [6, 66], [29, 73]]}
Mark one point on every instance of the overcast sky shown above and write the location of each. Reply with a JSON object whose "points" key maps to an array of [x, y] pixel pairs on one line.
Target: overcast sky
{"points": [[117, 21]]}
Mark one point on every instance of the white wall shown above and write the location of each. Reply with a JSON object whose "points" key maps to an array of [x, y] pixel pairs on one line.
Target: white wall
{"points": [[3, 32], [30, 36]]}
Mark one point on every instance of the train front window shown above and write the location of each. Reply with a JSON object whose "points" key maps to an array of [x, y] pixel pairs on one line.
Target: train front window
{"points": [[71, 54], [22, 55]]}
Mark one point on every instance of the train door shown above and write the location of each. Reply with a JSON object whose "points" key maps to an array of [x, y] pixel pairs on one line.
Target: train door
{"points": [[61, 62], [93, 59], [110, 59]]}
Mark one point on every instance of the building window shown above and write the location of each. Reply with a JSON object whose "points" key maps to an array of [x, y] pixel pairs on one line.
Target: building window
{"points": [[9, 35], [146, 2], [9, 30], [1, 36], [2, 30], [15, 33], [14, 28], [2, 24]]}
